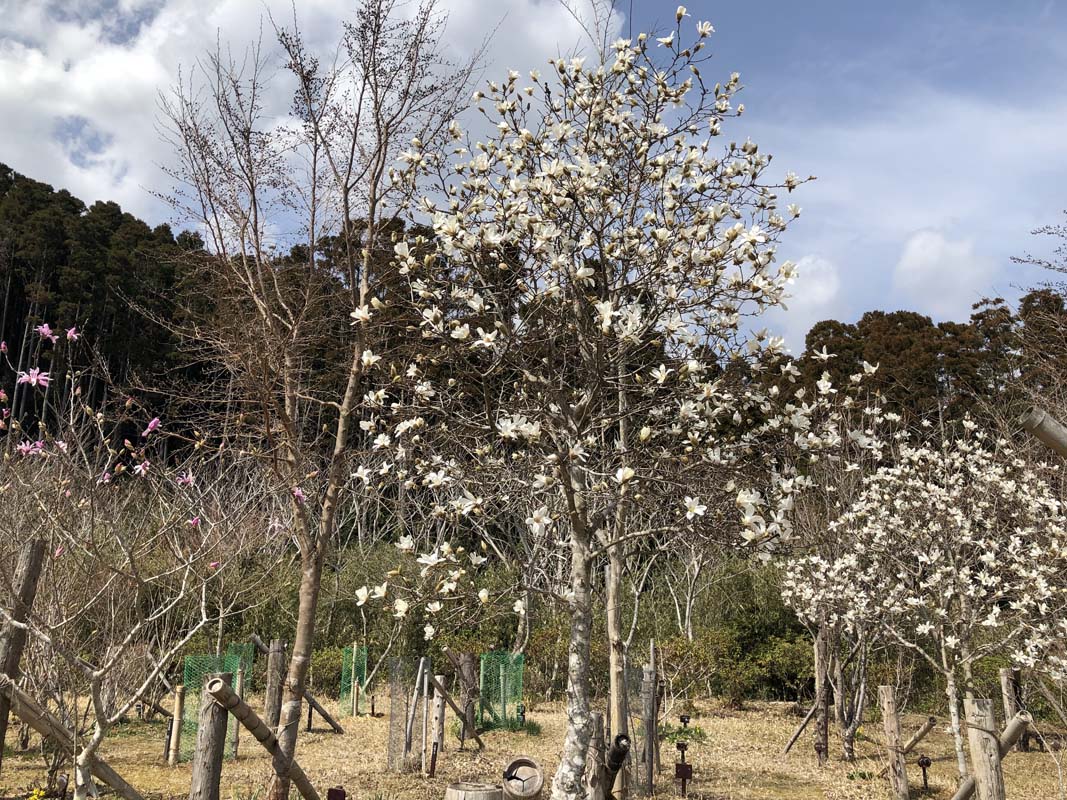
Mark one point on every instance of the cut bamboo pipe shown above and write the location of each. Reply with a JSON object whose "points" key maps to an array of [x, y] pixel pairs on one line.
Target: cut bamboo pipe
{"points": [[226, 698], [1046, 428]]}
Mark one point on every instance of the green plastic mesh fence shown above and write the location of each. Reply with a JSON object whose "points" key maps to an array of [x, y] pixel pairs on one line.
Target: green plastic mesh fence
{"points": [[245, 652], [353, 666], [501, 687], [197, 668]]}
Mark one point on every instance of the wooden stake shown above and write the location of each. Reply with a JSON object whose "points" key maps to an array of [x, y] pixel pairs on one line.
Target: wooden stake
{"points": [[319, 709], [210, 743], [648, 690], [594, 760], [424, 761], [13, 636], [176, 726], [409, 727], [272, 701], [913, 742], [985, 749], [353, 689], [898, 776], [438, 687], [1011, 695], [239, 690], [1014, 730]]}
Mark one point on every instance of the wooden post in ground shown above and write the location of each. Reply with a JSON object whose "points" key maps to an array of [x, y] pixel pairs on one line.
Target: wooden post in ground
{"points": [[654, 663], [272, 702], [176, 726], [1011, 695], [12, 636], [439, 687], [898, 776], [413, 709], [648, 697], [594, 760], [985, 749], [1014, 730], [468, 678], [821, 734], [262, 649], [913, 742], [439, 714], [262, 734], [210, 743], [424, 761]]}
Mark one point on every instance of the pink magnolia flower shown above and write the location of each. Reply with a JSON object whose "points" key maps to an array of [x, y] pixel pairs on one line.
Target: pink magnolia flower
{"points": [[46, 332], [194, 522], [34, 378], [3, 396], [3, 347], [59, 551], [29, 448], [142, 468], [185, 479], [298, 493], [72, 334], [105, 478], [215, 564], [152, 425]]}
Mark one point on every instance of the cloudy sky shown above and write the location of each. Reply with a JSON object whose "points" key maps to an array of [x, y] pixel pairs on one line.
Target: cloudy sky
{"points": [[937, 130]]}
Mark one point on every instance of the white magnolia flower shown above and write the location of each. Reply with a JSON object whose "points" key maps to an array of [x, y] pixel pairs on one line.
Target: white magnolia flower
{"points": [[694, 508], [519, 607], [462, 333], [435, 606], [360, 315], [369, 359], [400, 608], [428, 632], [406, 544], [378, 593], [624, 475], [483, 596], [362, 595], [540, 521]]}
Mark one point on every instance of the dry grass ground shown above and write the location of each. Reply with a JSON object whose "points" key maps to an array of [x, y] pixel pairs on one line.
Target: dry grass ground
{"points": [[741, 760]]}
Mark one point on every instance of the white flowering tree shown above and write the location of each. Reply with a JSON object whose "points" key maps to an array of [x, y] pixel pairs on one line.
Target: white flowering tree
{"points": [[587, 295], [955, 551]]}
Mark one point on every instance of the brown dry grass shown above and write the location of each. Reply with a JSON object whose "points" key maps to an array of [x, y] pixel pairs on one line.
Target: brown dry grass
{"points": [[740, 761]]}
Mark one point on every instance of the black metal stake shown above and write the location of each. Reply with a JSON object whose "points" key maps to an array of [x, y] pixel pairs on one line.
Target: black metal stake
{"points": [[433, 760], [311, 712], [924, 764]]}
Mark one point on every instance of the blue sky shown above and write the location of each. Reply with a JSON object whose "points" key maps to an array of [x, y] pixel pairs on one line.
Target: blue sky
{"points": [[937, 130]]}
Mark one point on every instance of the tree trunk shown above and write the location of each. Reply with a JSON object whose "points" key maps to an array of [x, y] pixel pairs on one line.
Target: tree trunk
{"points": [[985, 749], [289, 724], [210, 743], [568, 782], [620, 710], [272, 694], [12, 637], [952, 693], [821, 734], [898, 774]]}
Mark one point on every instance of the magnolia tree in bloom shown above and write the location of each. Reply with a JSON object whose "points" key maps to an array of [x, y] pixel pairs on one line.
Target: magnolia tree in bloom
{"points": [[956, 551], [586, 299]]}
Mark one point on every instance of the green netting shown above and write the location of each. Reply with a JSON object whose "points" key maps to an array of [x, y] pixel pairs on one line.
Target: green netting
{"points": [[353, 663], [245, 652], [501, 687], [197, 668]]}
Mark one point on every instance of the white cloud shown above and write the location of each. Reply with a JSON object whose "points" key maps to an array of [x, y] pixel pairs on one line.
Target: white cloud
{"points": [[67, 74], [942, 277], [814, 296]]}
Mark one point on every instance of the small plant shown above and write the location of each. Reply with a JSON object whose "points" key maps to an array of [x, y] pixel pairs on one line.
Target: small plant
{"points": [[860, 775], [676, 733]]}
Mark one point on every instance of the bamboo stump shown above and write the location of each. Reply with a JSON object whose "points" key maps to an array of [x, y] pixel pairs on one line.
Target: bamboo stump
{"points": [[210, 743], [473, 791], [985, 749], [176, 726], [898, 776], [272, 702], [1011, 695]]}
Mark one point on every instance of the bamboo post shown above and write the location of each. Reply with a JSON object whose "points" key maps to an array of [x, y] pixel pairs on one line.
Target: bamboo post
{"points": [[225, 697], [176, 726], [272, 702], [239, 690], [985, 749], [898, 776], [1012, 733], [13, 635], [1046, 428], [1011, 695], [503, 692], [210, 743], [353, 688], [654, 663], [263, 650], [469, 679], [648, 691], [439, 715], [594, 761]]}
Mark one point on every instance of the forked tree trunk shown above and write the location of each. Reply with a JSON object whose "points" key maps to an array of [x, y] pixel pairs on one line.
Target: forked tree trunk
{"points": [[293, 693], [567, 784]]}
